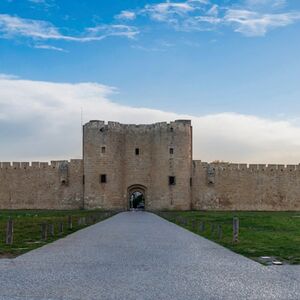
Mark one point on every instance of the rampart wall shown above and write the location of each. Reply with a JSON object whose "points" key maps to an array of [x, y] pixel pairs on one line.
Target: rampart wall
{"points": [[155, 159], [41, 185], [224, 186]]}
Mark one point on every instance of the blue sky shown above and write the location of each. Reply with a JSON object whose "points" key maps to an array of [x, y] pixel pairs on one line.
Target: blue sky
{"points": [[195, 57]]}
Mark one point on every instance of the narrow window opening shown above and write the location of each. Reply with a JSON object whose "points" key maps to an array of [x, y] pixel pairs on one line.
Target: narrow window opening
{"points": [[172, 180], [83, 179], [171, 150], [103, 178], [137, 151], [191, 181], [63, 182], [103, 149]]}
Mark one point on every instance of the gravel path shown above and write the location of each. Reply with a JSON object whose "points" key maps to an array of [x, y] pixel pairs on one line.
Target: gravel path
{"points": [[137, 255]]}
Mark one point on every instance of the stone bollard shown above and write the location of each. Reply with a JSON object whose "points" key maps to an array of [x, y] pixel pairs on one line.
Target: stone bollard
{"points": [[220, 232], [51, 230], [212, 229], [235, 228], [70, 224], [202, 226], [79, 221], [9, 232], [44, 231], [83, 221], [60, 228], [193, 225]]}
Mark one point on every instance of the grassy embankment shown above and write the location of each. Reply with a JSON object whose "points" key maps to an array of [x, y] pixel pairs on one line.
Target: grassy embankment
{"points": [[28, 230], [274, 234]]}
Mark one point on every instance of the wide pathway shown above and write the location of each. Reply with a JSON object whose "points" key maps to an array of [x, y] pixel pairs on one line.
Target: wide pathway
{"points": [[137, 255]]}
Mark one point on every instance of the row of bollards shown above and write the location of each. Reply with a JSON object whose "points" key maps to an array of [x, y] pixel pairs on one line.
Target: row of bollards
{"points": [[215, 229], [47, 229]]}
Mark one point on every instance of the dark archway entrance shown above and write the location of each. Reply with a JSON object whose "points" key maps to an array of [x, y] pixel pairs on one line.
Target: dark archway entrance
{"points": [[136, 197]]}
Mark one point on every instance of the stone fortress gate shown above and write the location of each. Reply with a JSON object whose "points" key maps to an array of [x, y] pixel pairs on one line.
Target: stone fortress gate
{"points": [[155, 160], [149, 166]]}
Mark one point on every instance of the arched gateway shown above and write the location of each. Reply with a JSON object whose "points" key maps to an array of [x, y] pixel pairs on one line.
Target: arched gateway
{"points": [[137, 197]]}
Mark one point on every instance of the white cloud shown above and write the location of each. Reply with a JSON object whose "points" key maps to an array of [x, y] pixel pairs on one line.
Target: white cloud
{"points": [[266, 3], [46, 4], [41, 121], [168, 10], [8, 76], [213, 11], [12, 26], [48, 47], [250, 17], [112, 30], [126, 15], [190, 15], [252, 23]]}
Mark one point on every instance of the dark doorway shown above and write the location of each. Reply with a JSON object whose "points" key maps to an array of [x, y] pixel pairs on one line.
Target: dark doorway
{"points": [[137, 197], [137, 200]]}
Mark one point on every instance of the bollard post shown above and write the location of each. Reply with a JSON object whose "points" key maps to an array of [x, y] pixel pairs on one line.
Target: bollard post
{"points": [[193, 225], [44, 231], [202, 226], [9, 232], [212, 230], [70, 224], [83, 221], [50, 229], [60, 227], [220, 232], [235, 227]]}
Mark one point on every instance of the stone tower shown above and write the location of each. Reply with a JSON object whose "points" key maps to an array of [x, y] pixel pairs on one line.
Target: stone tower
{"points": [[155, 160]]}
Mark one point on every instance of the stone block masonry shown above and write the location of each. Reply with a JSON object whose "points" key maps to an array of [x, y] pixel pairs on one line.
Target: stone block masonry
{"points": [[155, 160], [40, 185], [224, 186], [137, 158]]}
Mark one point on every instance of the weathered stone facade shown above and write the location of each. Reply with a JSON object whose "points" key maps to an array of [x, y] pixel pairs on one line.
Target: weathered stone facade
{"points": [[224, 186], [41, 185], [155, 160], [137, 157]]}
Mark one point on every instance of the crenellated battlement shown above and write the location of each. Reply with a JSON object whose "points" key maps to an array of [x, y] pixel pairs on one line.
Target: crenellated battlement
{"points": [[116, 126], [54, 164], [222, 166]]}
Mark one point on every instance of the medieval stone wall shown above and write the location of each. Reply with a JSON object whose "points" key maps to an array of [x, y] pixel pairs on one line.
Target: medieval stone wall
{"points": [[224, 186], [110, 149], [41, 185], [142, 158]]}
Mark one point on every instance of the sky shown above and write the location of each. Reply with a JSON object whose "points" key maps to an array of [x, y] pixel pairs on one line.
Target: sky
{"points": [[232, 67]]}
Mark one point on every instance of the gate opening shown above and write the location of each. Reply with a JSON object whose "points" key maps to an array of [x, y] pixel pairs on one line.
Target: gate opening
{"points": [[137, 201]]}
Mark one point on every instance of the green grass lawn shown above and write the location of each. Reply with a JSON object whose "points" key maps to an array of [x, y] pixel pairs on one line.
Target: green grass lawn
{"points": [[27, 227], [261, 233]]}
